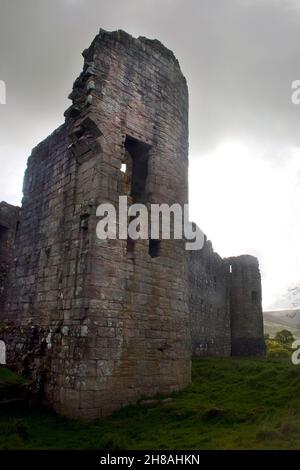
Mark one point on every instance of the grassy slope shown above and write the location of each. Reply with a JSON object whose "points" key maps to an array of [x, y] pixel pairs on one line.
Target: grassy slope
{"points": [[231, 404]]}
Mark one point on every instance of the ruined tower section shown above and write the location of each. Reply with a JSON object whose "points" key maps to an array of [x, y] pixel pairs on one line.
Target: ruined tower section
{"points": [[247, 337], [9, 216], [100, 323], [209, 303]]}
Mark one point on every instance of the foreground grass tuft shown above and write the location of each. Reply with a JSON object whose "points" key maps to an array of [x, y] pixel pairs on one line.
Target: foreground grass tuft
{"points": [[231, 404]]}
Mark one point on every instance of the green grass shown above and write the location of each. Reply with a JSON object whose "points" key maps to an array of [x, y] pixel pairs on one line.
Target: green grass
{"points": [[12, 386], [7, 377], [231, 404]]}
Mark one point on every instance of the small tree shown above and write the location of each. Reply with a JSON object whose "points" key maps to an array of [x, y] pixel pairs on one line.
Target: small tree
{"points": [[284, 337]]}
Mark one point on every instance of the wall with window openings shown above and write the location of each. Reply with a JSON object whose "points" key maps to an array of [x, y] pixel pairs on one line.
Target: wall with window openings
{"points": [[107, 320], [225, 304], [98, 324]]}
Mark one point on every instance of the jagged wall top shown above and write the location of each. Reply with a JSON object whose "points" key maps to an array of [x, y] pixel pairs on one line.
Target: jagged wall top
{"points": [[84, 85], [121, 36]]}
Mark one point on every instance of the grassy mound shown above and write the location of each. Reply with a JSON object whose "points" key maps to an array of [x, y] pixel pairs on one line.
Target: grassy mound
{"points": [[231, 404]]}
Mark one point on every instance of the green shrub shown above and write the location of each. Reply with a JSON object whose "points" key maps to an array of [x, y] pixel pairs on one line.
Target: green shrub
{"points": [[275, 349], [284, 337]]}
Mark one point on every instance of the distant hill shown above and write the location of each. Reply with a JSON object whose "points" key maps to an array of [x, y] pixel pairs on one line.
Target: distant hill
{"points": [[289, 300], [276, 320]]}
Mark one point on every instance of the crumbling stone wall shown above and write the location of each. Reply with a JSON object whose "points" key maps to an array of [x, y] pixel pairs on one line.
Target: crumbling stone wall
{"points": [[209, 303], [225, 303], [107, 320], [9, 216], [247, 337], [98, 324]]}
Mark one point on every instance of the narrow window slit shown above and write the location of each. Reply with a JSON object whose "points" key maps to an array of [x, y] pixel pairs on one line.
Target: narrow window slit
{"points": [[254, 297], [154, 248]]}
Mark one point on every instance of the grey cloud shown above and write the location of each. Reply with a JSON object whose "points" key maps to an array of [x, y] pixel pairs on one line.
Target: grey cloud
{"points": [[239, 58]]}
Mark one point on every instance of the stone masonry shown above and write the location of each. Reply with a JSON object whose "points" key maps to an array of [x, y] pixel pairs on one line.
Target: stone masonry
{"points": [[225, 303], [209, 303], [108, 320], [247, 337], [98, 324], [9, 216]]}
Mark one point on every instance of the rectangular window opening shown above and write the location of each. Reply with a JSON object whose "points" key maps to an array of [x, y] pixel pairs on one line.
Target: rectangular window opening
{"points": [[130, 247], [138, 154], [123, 168], [3, 236], [154, 248], [84, 221]]}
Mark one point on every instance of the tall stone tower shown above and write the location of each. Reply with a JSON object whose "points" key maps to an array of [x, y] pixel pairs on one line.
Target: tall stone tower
{"points": [[100, 323], [247, 337]]}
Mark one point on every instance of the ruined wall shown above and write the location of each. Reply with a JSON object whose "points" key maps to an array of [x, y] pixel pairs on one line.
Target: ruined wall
{"points": [[101, 323], [247, 337], [209, 303], [9, 216], [225, 302]]}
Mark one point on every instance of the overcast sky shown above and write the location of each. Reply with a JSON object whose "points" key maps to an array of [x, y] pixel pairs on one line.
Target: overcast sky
{"points": [[239, 57]]}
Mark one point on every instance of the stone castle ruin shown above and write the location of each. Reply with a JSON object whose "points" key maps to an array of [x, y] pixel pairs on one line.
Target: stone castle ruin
{"points": [[98, 324]]}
